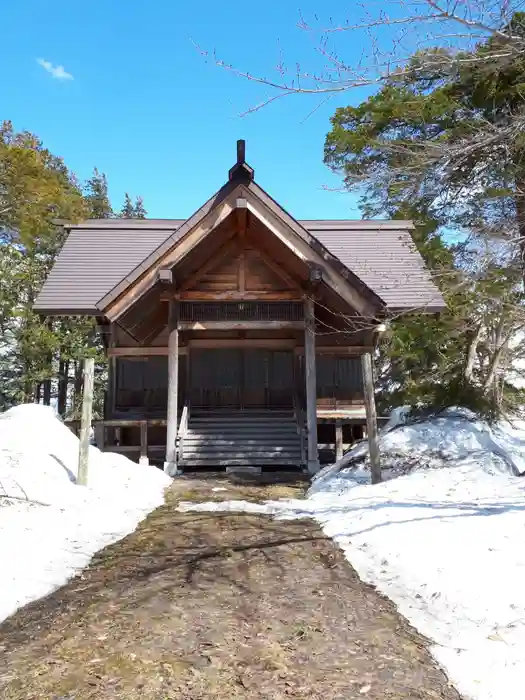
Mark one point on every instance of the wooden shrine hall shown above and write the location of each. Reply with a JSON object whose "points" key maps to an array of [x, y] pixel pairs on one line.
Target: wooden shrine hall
{"points": [[237, 337]]}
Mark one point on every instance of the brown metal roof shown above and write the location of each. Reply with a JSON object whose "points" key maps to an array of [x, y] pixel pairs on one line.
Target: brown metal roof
{"points": [[384, 256], [93, 260], [99, 254]]}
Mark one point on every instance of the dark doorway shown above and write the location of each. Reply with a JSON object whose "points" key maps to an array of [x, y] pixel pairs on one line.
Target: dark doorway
{"points": [[241, 378]]}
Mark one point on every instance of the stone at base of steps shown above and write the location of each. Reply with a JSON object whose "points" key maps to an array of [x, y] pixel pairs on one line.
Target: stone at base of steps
{"points": [[240, 476], [243, 470]]}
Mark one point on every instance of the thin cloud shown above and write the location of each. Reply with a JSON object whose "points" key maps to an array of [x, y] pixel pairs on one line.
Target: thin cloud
{"points": [[58, 72]]}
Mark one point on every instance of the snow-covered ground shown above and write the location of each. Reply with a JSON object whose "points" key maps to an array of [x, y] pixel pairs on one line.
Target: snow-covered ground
{"points": [[444, 539], [49, 526]]}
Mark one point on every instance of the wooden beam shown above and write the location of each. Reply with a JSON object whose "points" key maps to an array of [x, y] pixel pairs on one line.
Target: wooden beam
{"points": [[231, 246], [240, 325], [85, 425], [149, 327], [170, 465], [311, 385], [278, 270], [308, 255], [235, 295], [342, 350], [241, 274], [173, 256], [126, 449], [371, 417], [275, 343], [242, 216], [127, 422], [338, 440], [143, 351]]}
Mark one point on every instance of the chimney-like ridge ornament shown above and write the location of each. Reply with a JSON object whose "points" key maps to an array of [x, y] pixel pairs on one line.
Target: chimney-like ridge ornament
{"points": [[241, 171], [241, 151]]}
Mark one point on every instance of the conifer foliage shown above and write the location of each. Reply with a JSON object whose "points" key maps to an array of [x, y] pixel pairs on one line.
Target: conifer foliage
{"points": [[437, 144], [41, 358]]}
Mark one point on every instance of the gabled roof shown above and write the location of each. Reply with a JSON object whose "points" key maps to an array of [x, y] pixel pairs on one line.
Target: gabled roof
{"points": [[384, 256], [97, 256], [101, 259]]}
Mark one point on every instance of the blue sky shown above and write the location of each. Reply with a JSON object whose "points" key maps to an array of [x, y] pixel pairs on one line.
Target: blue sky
{"points": [[158, 118]]}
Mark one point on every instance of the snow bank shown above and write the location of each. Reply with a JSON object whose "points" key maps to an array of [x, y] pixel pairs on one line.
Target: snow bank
{"points": [[445, 541], [49, 526]]}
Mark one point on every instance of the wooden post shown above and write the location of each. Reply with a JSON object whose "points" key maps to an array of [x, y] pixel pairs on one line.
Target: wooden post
{"points": [[170, 465], [143, 459], [371, 417], [338, 439], [311, 385], [111, 391], [100, 435], [85, 426]]}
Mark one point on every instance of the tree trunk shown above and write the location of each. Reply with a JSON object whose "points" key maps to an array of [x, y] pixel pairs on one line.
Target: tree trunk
{"points": [[47, 392], [49, 360], [79, 374], [520, 219], [499, 351], [63, 384], [471, 355]]}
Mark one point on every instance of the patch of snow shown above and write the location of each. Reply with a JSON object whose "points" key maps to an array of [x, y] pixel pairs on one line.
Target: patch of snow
{"points": [[444, 541], [49, 526]]}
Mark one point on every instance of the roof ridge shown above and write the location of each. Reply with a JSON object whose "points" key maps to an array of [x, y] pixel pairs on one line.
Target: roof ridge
{"points": [[154, 224]]}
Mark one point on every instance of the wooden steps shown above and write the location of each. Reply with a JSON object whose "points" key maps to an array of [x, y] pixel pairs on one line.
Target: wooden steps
{"points": [[241, 439]]}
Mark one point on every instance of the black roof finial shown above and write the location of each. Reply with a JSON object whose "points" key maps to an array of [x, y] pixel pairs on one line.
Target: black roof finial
{"points": [[241, 171], [241, 151]]}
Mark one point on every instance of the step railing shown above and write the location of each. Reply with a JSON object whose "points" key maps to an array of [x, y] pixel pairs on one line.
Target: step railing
{"points": [[183, 429]]}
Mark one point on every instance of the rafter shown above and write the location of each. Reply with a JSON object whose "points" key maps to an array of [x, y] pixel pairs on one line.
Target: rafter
{"points": [[231, 247]]}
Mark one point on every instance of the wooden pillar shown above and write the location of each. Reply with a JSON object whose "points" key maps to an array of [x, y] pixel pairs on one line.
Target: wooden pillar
{"points": [[143, 459], [371, 416], [85, 425], [338, 440], [170, 465], [311, 385], [100, 435]]}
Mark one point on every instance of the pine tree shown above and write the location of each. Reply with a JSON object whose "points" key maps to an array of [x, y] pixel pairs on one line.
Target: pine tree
{"points": [[139, 212], [128, 210], [97, 197], [36, 188], [403, 148]]}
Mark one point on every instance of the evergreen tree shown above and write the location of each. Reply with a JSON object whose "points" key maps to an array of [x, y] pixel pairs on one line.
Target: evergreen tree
{"points": [[128, 210], [139, 212], [97, 197], [404, 150], [42, 359], [133, 211], [443, 139], [36, 189]]}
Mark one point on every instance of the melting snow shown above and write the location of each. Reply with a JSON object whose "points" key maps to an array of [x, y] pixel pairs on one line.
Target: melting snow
{"points": [[445, 541], [49, 526]]}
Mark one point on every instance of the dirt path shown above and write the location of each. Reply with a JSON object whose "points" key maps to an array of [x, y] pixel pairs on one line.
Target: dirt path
{"points": [[201, 606]]}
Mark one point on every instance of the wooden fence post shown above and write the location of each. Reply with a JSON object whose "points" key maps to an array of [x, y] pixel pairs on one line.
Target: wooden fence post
{"points": [[85, 425], [371, 417]]}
